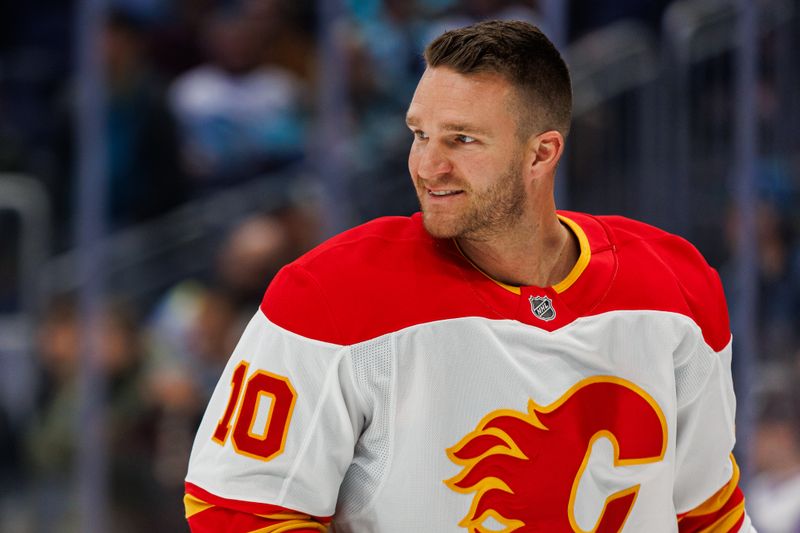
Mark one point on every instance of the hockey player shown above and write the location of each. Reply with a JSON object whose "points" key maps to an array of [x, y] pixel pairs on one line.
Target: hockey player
{"points": [[488, 364]]}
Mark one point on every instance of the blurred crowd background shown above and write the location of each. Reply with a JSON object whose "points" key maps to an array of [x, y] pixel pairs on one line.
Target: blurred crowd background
{"points": [[236, 135]]}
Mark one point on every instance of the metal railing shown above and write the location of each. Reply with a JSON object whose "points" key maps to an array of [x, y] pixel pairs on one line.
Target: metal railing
{"points": [[23, 199], [145, 260]]}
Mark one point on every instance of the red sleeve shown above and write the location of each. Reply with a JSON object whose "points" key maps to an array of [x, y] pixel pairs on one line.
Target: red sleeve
{"points": [[208, 513]]}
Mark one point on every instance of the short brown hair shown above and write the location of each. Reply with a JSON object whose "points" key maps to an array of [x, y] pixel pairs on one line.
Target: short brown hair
{"points": [[523, 55]]}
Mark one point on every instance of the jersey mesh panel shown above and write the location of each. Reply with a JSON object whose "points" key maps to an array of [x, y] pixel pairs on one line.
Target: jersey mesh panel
{"points": [[692, 375], [373, 368]]}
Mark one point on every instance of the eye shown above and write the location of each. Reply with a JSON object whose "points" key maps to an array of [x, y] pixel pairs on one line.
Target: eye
{"points": [[420, 135], [465, 139]]}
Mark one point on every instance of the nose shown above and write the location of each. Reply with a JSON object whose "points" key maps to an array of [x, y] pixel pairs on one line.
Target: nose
{"points": [[429, 162]]}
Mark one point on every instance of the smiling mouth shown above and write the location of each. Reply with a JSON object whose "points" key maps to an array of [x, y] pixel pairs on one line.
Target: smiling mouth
{"points": [[439, 194]]}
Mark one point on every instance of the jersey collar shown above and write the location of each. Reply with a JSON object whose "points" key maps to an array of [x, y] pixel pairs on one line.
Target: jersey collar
{"points": [[576, 295]]}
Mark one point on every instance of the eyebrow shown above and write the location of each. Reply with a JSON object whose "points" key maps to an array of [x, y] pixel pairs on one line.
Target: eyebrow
{"points": [[411, 120], [465, 127], [452, 126]]}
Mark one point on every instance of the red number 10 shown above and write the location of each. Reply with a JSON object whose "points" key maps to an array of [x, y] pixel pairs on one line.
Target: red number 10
{"points": [[260, 385]]}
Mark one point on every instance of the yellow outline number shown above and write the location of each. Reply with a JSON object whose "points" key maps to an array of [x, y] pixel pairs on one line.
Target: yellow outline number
{"points": [[245, 401]]}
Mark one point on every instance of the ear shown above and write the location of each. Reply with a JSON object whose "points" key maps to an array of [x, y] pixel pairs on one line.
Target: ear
{"points": [[545, 151]]}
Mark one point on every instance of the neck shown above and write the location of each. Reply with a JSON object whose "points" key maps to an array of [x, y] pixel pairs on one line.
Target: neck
{"points": [[539, 251]]}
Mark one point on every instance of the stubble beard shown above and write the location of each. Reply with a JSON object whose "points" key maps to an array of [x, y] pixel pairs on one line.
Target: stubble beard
{"points": [[489, 213]]}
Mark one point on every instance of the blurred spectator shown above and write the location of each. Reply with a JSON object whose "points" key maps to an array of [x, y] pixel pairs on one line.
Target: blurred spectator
{"points": [[176, 37], [145, 177], [470, 11], [51, 437], [383, 67], [773, 497], [252, 254], [239, 117], [196, 325], [191, 332], [778, 314], [390, 48], [287, 29], [587, 16]]}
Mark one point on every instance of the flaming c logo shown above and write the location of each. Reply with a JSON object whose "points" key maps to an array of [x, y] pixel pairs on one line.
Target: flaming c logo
{"points": [[524, 468]]}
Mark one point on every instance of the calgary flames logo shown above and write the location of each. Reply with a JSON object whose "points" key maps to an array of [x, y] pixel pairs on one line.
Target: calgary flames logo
{"points": [[525, 467]]}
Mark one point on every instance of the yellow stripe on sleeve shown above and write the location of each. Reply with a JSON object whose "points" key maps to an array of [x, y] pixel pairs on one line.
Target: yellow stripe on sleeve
{"points": [[292, 525], [194, 505], [720, 498], [727, 521]]}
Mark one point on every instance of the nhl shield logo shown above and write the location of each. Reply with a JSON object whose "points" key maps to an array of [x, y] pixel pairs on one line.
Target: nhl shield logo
{"points": [[542, 308]]}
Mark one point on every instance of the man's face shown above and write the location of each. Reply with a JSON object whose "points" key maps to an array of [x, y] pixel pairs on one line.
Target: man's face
{"points": [[466, 160]]}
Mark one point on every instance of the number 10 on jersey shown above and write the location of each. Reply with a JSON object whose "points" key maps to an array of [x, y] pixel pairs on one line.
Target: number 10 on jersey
{"points": [[246, 402]]}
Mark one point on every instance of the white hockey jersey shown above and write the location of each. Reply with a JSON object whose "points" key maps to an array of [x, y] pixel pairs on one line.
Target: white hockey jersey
{"points": [[388, 385]]}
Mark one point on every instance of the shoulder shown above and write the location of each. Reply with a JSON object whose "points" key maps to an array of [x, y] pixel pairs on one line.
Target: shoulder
{"points": [[642, 247], [366, 239], [649, 246], [365, 282], [661, 271]]}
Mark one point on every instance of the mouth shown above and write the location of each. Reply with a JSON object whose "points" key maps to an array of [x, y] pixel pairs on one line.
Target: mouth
{"points": [[443, 193]]}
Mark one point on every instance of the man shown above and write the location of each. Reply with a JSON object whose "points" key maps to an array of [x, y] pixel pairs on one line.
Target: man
{"points": [[486, 365]]}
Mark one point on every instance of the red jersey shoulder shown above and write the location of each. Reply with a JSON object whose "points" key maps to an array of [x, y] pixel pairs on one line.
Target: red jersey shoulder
{"points": [[360, 238], [390, 274], [379, 277], [661, 271]]}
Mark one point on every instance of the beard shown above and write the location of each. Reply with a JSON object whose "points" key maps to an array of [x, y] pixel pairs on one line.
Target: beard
{"points": [[480, 215]]}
